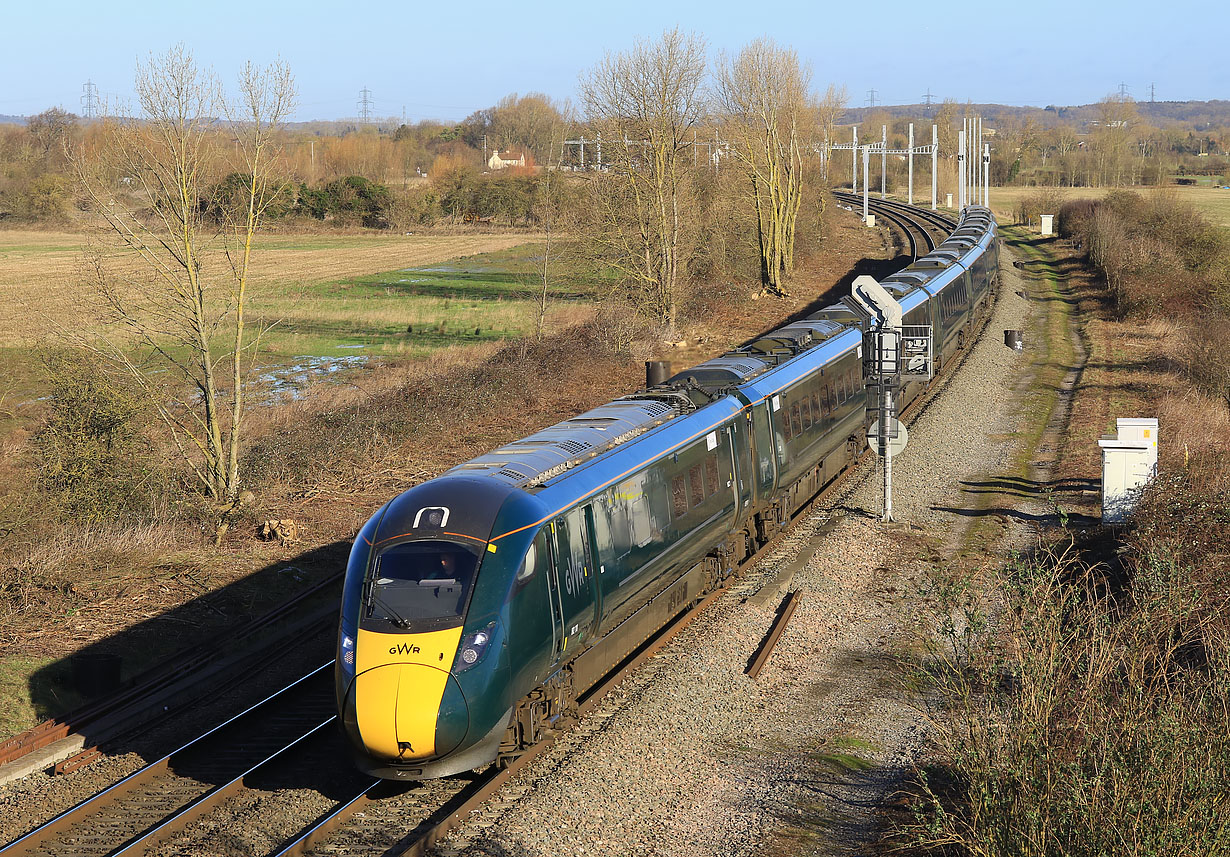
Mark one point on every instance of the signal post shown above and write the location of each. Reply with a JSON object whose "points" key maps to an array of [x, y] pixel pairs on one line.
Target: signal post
{"points": [[891, 351]]}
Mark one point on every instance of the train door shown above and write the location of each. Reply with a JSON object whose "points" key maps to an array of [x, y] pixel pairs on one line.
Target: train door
{"points": [[574, 566], [553, 595], [601, 549], [742, 456], [763, 450]]}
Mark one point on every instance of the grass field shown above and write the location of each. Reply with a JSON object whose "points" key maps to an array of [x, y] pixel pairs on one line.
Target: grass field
{"points": [[412, 310], [42, 274], [1213, 202], [329, 301]]}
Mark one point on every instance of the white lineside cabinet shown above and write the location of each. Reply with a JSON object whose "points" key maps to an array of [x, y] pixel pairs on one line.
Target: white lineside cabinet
{"points": [[1047, 224], [1129, 460]]}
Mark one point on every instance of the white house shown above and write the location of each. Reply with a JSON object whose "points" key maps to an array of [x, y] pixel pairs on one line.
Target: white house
{"points": [[509, 159]]}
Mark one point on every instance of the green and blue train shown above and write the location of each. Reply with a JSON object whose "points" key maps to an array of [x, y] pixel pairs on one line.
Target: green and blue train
{"points": [[478, 606]]}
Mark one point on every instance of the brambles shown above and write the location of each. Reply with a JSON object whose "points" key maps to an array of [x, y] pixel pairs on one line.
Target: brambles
{"points": [[1157, 252], [1091, 718]]}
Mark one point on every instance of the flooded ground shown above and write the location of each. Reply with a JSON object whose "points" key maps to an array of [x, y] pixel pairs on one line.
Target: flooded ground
{"points": [[291, 382]]}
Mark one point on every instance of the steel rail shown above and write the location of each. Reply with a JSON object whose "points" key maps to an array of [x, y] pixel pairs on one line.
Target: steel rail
{"points": [[190, 812], [942, 221], [36, 841], [910, 219], [784, 612]]}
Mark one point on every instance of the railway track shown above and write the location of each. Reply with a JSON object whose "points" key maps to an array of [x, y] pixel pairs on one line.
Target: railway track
{"points": [[919, 225], [166, 689], [153, 804], [296, 726]]}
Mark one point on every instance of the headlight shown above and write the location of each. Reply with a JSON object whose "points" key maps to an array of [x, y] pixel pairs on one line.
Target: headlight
{"points": [[473, 648], [346, 656]]}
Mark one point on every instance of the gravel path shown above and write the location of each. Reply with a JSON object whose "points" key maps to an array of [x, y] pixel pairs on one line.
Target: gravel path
{"points": [[690, 757]]}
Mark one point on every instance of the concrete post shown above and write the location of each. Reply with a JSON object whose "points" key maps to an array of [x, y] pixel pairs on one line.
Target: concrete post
{"points": [[883, 161], [935, 159], [961, 170], [854, 162], [986, 175], [910, 156], [866, 159]]}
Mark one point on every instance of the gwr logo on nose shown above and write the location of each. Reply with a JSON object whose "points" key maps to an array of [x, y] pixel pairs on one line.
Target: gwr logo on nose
{"points": [[404, 649]]}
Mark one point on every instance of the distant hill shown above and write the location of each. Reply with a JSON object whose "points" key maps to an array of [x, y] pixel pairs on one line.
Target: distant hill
{"points": [[1199, 114], [5, 119]]}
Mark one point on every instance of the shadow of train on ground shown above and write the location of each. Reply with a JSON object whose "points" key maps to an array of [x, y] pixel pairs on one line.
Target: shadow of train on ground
{"points": [[210, 624]]}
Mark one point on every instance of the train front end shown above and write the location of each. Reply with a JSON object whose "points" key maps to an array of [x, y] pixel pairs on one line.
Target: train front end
{"points": [[421, 673]]}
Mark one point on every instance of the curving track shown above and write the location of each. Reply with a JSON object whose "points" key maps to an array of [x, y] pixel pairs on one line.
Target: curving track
{"points": [[920, 226]]}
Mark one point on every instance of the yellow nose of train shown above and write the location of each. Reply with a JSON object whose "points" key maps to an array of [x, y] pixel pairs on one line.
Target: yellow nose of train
{"points": [[399, 684]]}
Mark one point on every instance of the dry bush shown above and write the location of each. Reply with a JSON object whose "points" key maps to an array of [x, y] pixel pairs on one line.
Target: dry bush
{"points": [[441, 414], [1206, 357], [93, 462], [1042, 201], [1075, 217], [1197, 438], [1159, 255], [620, 328], [1091, 718], [79, 561]]}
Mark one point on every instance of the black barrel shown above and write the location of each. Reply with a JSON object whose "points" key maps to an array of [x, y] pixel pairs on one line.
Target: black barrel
{"points": [[1014, 339], [96, 673], [656, 372]]}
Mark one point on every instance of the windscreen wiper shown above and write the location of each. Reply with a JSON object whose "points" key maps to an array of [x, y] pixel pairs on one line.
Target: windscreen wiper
{"points": [[393, 616]]}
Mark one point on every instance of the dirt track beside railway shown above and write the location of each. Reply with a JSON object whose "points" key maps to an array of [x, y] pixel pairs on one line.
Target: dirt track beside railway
{"points": [[692, 757]]}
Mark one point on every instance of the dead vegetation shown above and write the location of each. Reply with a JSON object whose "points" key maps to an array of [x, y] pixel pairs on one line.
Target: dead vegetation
{"points": [[1087, 715]]}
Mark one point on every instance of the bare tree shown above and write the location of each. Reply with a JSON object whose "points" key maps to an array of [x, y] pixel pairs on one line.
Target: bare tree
{"points": [[1113, 138], [548, 210], [764, 94], [645, 104], [174, 274]]}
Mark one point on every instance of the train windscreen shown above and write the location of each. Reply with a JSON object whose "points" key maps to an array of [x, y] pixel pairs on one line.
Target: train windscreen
{"points": [[421, 583]]}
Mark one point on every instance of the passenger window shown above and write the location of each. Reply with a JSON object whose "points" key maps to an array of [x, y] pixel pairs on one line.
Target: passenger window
{"points": [[711, 475], [794, 418], [696, 492], [679, 496], [824, 400], [817, 413], [785, 417], [806, 413]]}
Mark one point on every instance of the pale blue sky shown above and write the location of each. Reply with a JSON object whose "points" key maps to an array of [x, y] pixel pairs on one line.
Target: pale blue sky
{"points": [[446, 59]]}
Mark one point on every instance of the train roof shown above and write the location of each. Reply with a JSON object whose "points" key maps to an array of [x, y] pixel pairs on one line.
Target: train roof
{"points": [[529, 462], [759, 356]]}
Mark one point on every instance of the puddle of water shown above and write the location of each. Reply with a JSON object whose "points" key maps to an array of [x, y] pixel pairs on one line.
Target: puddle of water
{"points": [[290, 383], [352, 346]]}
